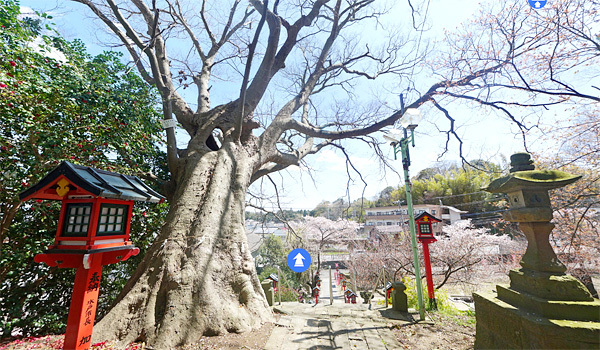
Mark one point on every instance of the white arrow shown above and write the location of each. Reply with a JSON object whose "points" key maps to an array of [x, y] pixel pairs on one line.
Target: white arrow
{"points": [[537, 4], [299, 260]]}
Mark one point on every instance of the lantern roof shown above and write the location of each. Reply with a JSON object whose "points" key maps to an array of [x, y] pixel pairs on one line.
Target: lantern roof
{"points": [[426, 217], [523, 175], [533, 179], [273, 277], [91, 182]]}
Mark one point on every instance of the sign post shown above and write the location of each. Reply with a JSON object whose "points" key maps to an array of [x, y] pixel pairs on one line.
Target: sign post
{"points": [[330, 288], [279, 287]]}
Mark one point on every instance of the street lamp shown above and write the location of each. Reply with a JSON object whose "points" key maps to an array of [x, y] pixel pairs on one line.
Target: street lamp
{"points": [[400, 140]]}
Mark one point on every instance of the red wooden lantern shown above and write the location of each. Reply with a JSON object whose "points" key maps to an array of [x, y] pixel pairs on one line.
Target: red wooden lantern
{"points": [[93, 230], [316, 292], [425, 235], [423, 223], [352, 298], [347, 293]]}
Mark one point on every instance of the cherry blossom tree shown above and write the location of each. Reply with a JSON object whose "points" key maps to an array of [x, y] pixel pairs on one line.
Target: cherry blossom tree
{"points": [[576, 235], [523, 63], [320, 233], [463, 254], [466, 254]]}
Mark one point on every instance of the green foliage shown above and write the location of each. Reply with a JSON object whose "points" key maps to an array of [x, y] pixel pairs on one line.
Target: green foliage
{"points": [[340, 209], [461, 188], [288, 215], [387, 197], [271, 252], [289, 278], [287, 294], [59, 103], [444, 305]]}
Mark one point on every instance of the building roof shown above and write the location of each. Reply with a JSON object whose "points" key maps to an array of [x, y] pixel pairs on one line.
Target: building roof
{"points": [[416, 206], [91, 181]]}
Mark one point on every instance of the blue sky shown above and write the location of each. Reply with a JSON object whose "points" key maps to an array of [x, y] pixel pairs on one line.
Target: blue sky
{"points": [[485, 137]]}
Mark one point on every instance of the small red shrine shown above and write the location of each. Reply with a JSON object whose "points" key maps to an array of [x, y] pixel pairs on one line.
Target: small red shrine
{"points": [[388, 290], [93, 230], [274, 279]]}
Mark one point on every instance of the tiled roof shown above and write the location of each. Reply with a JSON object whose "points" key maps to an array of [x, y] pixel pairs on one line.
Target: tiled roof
{"points": [[98, 182]]}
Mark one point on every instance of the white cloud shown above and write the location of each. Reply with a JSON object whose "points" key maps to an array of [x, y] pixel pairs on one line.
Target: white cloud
{"points": [[36, 44], [328, 159], [46, 51], [28, 11]]}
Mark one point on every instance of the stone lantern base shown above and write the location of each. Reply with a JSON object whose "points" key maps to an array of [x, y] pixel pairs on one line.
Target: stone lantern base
{"points": [[537, 311]]}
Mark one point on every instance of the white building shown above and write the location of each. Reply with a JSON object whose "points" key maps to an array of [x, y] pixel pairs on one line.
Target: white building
{"points": [[257, 231], [392, 219]]}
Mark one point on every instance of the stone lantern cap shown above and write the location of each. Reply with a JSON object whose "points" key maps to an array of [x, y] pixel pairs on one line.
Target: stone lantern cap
{"points": [[523, 176]]}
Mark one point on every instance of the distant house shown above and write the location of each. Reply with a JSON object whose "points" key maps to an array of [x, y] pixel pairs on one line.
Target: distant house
{"points": [[256, 231], [395, 219]]}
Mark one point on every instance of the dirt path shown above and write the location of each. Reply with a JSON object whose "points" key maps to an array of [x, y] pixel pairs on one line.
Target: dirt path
{"points": [[337, 326]]}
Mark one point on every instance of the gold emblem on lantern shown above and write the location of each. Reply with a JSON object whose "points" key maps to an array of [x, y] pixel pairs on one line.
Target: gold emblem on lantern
{"points": [[63, 187]]}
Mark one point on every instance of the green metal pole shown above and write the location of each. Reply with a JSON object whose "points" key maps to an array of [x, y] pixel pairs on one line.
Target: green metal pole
{"points": [[411, 222]]}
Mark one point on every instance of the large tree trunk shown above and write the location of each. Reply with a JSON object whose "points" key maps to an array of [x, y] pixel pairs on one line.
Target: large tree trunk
{"points": [[198, 278]]}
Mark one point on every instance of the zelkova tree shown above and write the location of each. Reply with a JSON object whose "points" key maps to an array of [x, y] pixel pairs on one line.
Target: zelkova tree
{"points": [[198, 277]]}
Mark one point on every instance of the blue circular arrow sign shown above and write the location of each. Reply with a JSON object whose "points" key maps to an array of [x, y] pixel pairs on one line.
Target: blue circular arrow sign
{"points": [[537, 4], [298, 260]]}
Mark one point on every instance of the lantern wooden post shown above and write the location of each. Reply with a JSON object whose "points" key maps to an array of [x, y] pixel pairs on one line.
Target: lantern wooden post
{"points": [[84, 300], [428, 276]]}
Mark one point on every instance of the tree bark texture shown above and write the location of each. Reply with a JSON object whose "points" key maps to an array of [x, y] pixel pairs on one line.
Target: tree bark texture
{"points": [[198, 278]]}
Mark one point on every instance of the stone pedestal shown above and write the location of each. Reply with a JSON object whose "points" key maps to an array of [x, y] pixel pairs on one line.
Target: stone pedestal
{"points": [[502, 325], [542, 308], [399, 297], [267, 287]]}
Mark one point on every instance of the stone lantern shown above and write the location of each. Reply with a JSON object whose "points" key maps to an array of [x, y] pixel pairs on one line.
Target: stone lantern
{"points": [[543, 308]]}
